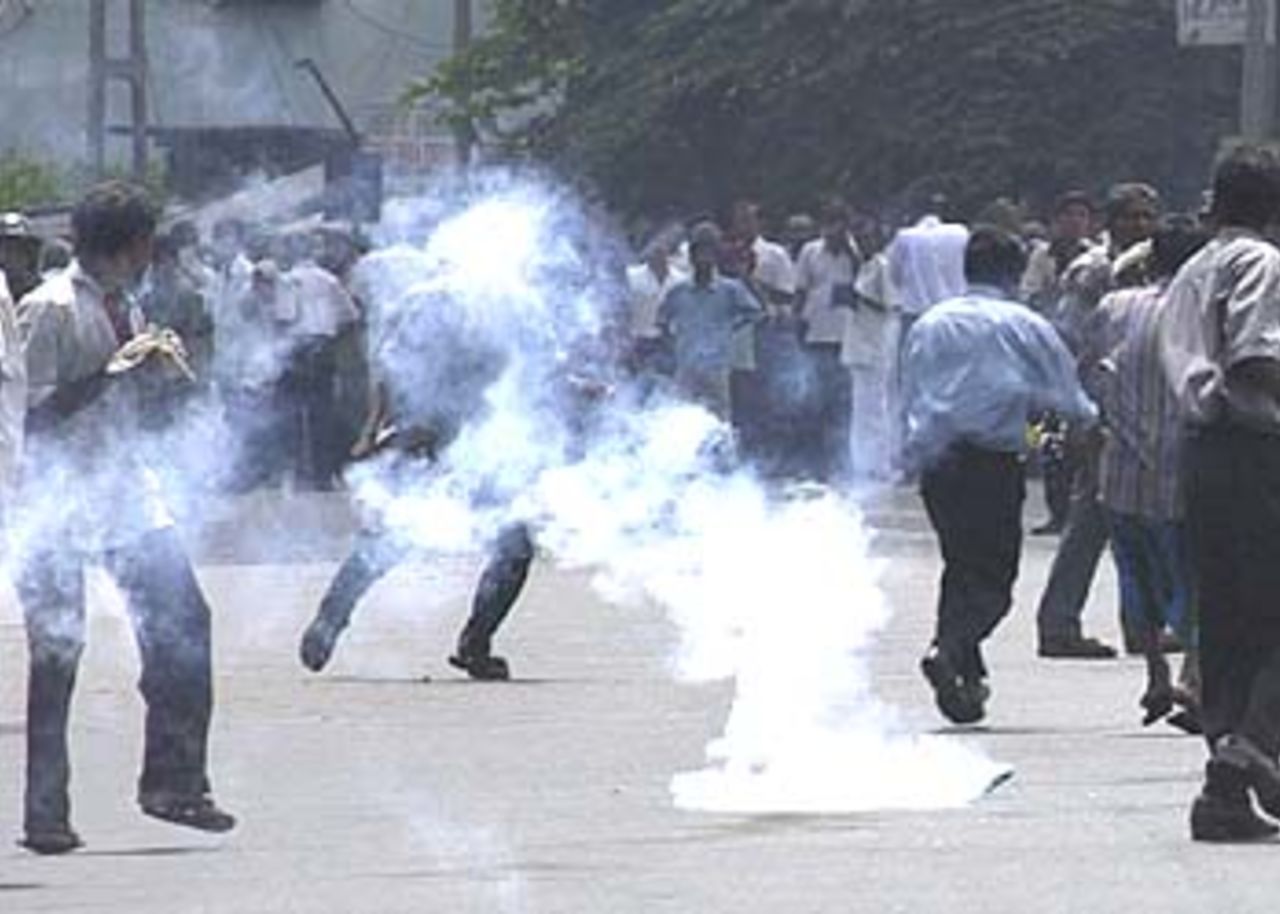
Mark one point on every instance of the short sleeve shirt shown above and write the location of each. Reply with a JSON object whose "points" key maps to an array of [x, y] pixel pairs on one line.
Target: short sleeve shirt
{"points": [[1223, 309]]}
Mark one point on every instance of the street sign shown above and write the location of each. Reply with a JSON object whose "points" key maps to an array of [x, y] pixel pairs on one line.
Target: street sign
{"points": [[1218, 22]]}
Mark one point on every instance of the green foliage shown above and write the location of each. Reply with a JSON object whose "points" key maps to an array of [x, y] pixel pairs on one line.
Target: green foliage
{"points": [[24, 182], [675, 106]]}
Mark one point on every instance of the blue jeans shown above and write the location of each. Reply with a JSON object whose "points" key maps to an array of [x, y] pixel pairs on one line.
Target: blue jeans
{"points": [[1152, 563]]}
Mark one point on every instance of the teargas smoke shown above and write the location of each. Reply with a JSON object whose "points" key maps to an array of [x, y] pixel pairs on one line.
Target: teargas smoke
{"points": [[500, 326]]}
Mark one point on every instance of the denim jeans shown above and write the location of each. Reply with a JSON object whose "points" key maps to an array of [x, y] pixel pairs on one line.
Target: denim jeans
{"points": [[172, 626]]}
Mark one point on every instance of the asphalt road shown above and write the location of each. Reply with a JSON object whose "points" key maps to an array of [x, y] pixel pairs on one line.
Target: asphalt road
{"points": [[368, 789]]}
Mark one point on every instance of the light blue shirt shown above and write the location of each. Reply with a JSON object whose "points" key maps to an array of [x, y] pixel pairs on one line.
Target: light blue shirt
{"points": [[975, 368], [703, 320]]}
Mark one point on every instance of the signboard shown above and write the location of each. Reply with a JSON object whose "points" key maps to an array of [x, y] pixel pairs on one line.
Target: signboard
{"points": [[1218, 22]]}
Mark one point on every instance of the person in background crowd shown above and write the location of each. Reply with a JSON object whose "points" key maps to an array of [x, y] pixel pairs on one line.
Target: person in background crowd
{"points": [[974, 369], [1069, 239], [926, 262], [254, 362], [174, 300], [799, 231], [309, 385], [1070, 236], [648, 283], [83, 452], [19, 254], [702, 314], [766, 269], [1220, 347], [826, 277], [55, 256], [926, 266], [869, 351], [1132, 211], [1140, 471]]}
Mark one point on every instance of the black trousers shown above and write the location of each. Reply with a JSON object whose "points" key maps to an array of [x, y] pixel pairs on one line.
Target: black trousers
{"points": [[309, 392], [503, 578], [172, 627], [974, 499], [1233, 518]]}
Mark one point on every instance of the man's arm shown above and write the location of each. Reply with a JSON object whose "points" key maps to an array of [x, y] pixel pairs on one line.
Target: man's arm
{"points": [[1055, 375]]}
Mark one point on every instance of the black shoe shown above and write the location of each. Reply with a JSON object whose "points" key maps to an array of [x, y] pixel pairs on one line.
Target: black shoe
{"points": [[318, 642], [485, 667], [1246, 761], [960, 701], [192, 812], [50, 840], [1074, 647], [1218, 819]]}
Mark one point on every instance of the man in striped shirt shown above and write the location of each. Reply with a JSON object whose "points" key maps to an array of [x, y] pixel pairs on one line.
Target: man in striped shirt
{"points": [[1140, 479]]}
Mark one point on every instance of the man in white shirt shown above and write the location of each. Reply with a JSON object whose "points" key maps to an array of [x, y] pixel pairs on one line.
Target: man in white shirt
{"points": [[86, 494], [648, 283], [325, 311], [926, 264], [826, 278]]}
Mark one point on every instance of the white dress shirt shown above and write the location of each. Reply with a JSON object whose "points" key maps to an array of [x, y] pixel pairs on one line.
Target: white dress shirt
{"points": [[926, 263], [647, 293], [820, 273]]}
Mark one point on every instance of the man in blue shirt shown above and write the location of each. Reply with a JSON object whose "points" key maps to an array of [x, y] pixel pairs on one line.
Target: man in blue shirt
{"points": [[702, 314], [974, 369]]}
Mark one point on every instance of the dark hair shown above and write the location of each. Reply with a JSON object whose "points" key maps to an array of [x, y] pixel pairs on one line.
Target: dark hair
{"points": [[1246, 188], [110, 217], [1177, 239], [1072, 198], [994, 257], [836, 209], [1123, 196]]}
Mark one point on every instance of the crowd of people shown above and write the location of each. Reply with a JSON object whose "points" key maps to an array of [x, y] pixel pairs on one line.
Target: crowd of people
{"points": [[1131, 354]]}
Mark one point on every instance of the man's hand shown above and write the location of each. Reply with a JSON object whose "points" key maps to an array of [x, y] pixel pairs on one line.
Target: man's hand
{"points": [[161, 347]]}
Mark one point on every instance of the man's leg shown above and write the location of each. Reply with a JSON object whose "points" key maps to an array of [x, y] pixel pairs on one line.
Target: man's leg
{"points": [[500, 585], [1143, 595], [837, 414], [1221, 510], [50, 586], [1070, 578], [171, 622], [371, 557], [974, 500]]}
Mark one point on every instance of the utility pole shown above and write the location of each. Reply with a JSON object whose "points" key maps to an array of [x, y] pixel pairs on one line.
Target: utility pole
{"points": [[131, 69], [1258, 89], [464, 132]]}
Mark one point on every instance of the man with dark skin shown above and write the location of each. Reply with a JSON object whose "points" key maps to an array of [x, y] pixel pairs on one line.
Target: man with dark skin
{"points": [[1132, 214], [86, 494], [1220, 347]]}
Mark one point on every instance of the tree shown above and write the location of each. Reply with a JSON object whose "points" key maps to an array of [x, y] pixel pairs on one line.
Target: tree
{"points": [[669, 107]]}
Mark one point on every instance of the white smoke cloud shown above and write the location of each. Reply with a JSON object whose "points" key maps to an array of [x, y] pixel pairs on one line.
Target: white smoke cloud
{"points": [[776, 593]]}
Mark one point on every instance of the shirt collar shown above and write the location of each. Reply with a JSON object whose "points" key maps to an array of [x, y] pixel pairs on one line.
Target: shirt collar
{"points": [[1232, 232], [983, 290]]}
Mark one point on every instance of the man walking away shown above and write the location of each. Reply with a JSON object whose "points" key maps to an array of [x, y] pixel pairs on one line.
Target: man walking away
{"points": [[975, 368]]}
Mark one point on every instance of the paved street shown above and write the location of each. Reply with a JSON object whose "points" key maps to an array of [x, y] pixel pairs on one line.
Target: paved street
{"points": [[369, 789]]}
